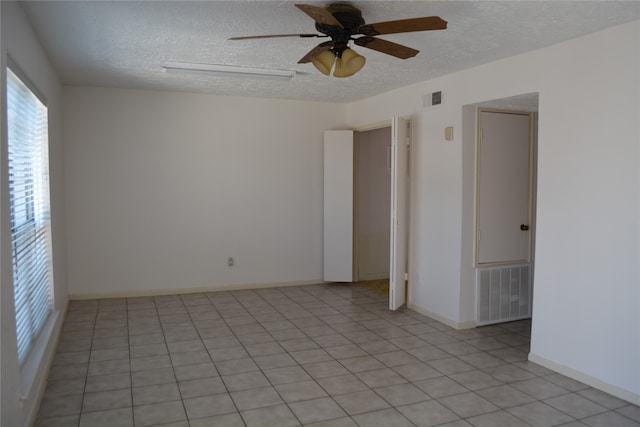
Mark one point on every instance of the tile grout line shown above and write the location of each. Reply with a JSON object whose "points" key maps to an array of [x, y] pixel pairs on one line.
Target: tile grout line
{"points": [[323, 305]]}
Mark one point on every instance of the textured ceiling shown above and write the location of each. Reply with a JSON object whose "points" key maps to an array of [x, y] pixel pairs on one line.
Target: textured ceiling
{"points": [[125, 43]]}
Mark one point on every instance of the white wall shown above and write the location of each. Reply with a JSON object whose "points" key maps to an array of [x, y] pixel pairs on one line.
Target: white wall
{"points": [[587, 306], [586, 293], [374, 199], [19, 42], [163, 187]]}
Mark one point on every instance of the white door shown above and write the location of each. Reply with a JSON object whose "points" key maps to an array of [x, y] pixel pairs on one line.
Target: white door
{"points": [[338, 206], [399, 179], [503, 188]]}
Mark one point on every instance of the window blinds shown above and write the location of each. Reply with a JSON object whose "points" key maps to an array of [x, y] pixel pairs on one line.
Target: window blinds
{"points": [[30, 212]]}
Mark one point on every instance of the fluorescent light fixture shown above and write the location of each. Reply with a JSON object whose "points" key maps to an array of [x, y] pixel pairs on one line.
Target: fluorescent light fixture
{"points": [[228, 71]]}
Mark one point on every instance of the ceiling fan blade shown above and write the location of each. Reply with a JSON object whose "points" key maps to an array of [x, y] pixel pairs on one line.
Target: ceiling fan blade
{"points": [[320, 15], [385, 46], [315, 52], [275, 35], [403, 26]]}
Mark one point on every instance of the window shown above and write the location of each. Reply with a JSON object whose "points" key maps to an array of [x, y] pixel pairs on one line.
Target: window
{"points": [[28, 149]]}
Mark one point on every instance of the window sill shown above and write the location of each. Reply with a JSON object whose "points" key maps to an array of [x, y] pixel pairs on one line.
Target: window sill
{"points": [[36, 362]]}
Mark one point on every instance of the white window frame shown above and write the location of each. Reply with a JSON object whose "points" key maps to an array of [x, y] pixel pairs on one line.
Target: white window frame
{"points": [[30, 358]]}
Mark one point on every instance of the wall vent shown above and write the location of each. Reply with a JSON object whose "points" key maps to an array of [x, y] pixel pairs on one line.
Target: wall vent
{"points": [[503, 294], [432, 99], [436, 98]]}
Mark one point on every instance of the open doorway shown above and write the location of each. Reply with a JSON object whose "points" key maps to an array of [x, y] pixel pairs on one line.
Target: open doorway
{"points": [[504, 220], [341, 250], [372, 216], [383, 156]]}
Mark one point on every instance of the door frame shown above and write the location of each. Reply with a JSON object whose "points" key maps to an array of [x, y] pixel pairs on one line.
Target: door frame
{"points": [[530, 196]]}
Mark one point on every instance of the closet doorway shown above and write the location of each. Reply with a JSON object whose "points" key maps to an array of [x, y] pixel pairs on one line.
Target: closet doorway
{"points": [[372, 215], [359, 198]]}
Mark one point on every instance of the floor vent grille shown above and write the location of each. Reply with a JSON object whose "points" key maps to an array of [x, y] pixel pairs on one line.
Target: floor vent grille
{"points": [[503, 294]]}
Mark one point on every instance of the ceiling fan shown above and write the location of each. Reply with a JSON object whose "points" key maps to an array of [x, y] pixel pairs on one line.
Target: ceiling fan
{"points": [[341, 22]]}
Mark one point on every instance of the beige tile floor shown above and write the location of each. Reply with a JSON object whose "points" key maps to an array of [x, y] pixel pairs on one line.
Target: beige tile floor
{"points": [[322, 355]]}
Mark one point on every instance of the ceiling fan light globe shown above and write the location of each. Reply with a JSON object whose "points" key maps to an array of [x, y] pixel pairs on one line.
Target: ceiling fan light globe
{"points": [[324, 62], [349, 63]]}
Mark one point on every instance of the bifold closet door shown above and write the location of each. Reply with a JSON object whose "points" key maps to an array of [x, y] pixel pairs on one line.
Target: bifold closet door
{"points": [[399, 182], [338, 206]]}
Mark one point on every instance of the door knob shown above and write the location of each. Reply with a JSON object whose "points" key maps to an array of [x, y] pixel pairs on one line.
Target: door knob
{"points": [[524, 227]]}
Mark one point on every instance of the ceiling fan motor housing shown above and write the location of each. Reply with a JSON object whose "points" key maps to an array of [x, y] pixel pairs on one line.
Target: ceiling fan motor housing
{"points": [[351, 19], [349, 16]]}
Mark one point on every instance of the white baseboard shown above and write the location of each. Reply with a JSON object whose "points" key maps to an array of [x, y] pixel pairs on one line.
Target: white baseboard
{"points": [[613, 390], [442, 319], [154, 292], [374, 276]]}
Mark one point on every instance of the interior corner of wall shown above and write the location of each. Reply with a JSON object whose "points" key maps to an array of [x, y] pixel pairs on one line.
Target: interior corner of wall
{"points": [[455, 324]]}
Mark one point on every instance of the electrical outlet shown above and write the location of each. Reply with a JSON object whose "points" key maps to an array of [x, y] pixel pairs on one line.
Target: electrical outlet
{"points": [[230, 261]]}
